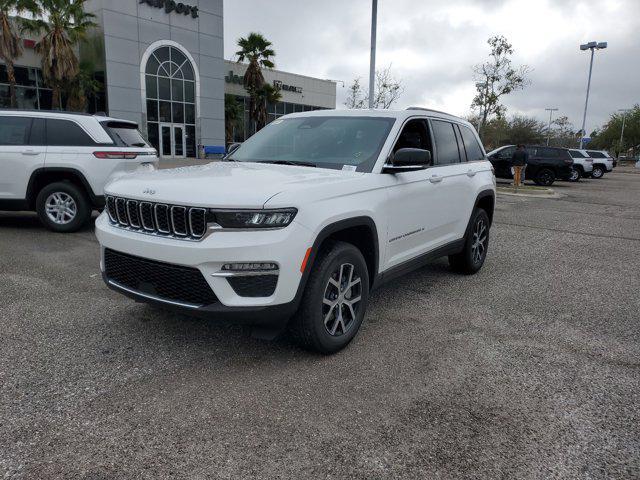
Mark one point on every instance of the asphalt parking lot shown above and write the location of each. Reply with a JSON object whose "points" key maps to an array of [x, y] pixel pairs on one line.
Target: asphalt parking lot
{"points": [[530, 369]]}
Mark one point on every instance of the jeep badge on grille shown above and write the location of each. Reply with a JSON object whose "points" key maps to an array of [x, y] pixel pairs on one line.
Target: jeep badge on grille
{"points": [[149, 191]]}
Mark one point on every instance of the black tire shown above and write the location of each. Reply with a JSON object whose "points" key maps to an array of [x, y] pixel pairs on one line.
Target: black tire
{"points": [[308, 325], [597, 172], [468, 261], [65, 190], [545, 177], [576, 174]]}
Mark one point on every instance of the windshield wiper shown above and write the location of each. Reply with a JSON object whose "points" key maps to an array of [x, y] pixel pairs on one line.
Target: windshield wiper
{"points": [[290, 162]]}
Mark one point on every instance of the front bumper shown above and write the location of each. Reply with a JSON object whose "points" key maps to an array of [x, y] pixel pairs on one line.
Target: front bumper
{"points": [[285, 247]]}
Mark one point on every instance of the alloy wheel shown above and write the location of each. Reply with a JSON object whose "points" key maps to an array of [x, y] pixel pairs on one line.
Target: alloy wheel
{"points": [[61, 208], [341, 300], [574, 175], [479, 241], [597, 172]]}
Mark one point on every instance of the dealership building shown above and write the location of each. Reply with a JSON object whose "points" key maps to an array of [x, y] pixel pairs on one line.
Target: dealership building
{"points": [[162, 66]]}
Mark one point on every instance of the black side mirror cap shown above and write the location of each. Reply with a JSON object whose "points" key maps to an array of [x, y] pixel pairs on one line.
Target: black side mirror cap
{"points": [[232, 148], [407, 160]]}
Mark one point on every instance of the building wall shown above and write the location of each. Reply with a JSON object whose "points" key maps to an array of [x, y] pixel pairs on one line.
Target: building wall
{"points": [[311, 91], [131, 26]]}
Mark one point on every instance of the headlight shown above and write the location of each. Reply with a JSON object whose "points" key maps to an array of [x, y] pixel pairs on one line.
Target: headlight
{"points": [[253, 218]]}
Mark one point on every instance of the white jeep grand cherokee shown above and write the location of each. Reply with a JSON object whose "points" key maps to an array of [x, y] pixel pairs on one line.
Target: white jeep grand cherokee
{"points": [[303, 220]]}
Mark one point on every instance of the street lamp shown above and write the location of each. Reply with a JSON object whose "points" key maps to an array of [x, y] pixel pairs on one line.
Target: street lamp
{"points": [[624, 117], [550, 110], [589, 46], [372, 61]]}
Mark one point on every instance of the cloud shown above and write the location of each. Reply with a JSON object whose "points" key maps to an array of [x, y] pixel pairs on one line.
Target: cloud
{"points": [[432, 46]]}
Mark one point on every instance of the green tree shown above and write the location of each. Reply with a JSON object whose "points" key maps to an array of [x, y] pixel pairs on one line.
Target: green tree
{"points": [[67, 24], [233, 116], [10, 47], [496, 78], [266, 95], [257, 51], [608, 137]]}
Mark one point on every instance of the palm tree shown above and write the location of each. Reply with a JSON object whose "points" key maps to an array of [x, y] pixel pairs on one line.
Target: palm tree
{"points": [[233, 116], [258, 52], [10, 47], [67, 24], [267, 94]]}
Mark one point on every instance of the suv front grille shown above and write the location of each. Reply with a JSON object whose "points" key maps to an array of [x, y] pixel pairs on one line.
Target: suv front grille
{"points": [[162, 280], [189, 223]]}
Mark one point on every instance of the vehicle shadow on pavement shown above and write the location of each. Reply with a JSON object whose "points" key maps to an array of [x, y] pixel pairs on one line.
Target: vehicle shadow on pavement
{"points": [[30, 221]]}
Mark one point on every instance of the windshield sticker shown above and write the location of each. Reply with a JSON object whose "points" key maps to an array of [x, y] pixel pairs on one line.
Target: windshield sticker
{"points": [[350, 168]]}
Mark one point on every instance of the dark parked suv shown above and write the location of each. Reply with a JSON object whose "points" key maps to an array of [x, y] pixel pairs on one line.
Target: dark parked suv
{"points": [[545, 164]]}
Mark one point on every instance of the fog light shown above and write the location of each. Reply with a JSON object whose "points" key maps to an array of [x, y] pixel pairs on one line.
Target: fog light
{"points": [[249, 267]]}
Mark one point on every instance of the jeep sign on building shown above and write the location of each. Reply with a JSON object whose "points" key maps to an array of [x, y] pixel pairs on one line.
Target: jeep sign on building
{"points": [[299, 94]]}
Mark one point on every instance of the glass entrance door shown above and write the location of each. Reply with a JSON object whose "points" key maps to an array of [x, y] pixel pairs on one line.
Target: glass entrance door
{"points": [[179, 144], [172, 140]]}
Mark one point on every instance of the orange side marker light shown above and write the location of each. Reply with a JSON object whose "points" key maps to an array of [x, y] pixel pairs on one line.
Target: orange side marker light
{"points": [[305, 259]]}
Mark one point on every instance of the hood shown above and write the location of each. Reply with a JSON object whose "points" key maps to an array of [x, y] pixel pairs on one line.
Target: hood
{"points": [[223, 184]]}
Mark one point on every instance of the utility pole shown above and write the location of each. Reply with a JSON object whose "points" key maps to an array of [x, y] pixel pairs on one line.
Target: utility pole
{"points": [[593, 46], [550, 110], [624, 117], [372, 61]]}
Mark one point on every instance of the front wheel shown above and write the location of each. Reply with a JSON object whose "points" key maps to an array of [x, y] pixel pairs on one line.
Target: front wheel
{"points": [[597, 172], [334, 300], [575, 175], [545, 177], [476, 244]]}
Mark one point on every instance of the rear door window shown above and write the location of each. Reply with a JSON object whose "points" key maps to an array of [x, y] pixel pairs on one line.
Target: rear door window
{"points": [[14, 130], [67, 133], [446, 143], [124, 134], [471, 145], [549, 153], [595, 154]]}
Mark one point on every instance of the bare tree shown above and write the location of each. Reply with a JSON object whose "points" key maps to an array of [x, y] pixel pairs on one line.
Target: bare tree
{"points": [[388, 90], [495, 78], [356, 97]]}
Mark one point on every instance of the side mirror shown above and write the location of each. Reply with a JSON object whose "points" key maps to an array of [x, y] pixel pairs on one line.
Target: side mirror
{"points": [[408, 160], [232, 148]]}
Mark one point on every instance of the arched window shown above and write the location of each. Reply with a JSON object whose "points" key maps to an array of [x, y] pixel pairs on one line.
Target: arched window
{"points": [[171, 102]]}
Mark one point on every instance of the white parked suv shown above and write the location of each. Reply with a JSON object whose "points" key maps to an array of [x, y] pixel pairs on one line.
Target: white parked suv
{"points": [[582, 165], [56, 163], [303, 220], [602, 162]]}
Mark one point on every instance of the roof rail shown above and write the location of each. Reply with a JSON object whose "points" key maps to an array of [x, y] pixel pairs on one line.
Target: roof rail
{"points": [[429, 110], [36, 110]]}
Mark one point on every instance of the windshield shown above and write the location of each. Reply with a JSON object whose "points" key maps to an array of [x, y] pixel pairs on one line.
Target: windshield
{"points": [[343, 143], [124, 134]]}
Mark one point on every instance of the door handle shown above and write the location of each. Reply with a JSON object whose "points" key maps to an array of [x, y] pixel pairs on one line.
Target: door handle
{"points": [[471, 173], [30, 152], [435, 178]]}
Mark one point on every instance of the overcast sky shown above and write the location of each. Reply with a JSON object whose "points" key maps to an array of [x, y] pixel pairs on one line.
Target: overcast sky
{"points": [[433, 44]]}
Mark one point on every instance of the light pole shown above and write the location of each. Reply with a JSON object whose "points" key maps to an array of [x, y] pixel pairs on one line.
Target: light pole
{"points": [[551, 110], [589, 46], [372, 61], [624, 117]]}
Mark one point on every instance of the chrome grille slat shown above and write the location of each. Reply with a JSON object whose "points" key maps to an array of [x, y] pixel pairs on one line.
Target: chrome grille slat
{"points": [[175, 221], [146, 216], [162, 218], [179, 221], [200, 222], [132, 213], [121, 211]]}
